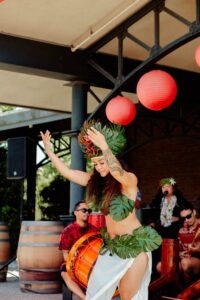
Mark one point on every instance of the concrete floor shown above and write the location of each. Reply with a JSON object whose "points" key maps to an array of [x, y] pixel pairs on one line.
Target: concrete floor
{"points": [[10, 290]]}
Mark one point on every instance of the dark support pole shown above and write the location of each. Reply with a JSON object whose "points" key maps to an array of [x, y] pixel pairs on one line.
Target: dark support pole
{"points": [[31, 184], [79, 113], [21, 201], [31, 187]]}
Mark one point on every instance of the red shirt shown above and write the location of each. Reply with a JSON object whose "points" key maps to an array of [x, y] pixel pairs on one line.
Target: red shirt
{"points": [[186, 236], [72, 233]]}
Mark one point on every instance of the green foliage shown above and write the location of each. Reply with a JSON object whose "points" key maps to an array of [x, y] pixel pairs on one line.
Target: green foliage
{"points": [[54, 199], [52, 190], [10, 215], [5, 108], [120, 207], [10, 197], [52, 193], [143, 239], [114, 135]]}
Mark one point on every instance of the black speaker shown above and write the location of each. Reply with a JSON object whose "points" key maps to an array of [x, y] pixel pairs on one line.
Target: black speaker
{"points": [[21, 157]]}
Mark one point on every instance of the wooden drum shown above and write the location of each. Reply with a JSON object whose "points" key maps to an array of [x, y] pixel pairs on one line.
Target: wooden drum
{"points": [[97, 219], [82, 257], [169, 266], [169, 256]]}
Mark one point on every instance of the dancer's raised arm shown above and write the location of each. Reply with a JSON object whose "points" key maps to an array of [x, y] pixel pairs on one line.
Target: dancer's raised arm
{"points": [[77, 176], [115, 168]]}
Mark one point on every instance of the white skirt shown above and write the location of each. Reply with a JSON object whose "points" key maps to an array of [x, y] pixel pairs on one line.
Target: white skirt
{"points": [[107, 273]]}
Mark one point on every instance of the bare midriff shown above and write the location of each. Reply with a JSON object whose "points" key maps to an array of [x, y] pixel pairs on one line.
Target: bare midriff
{"points": [[125, 226]]}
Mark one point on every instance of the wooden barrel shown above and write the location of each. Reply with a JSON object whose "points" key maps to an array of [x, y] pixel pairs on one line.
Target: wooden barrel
{"points": [[39, 258], [4, 249]]}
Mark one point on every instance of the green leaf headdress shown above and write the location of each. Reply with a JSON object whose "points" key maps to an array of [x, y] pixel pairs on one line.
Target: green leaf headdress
{"points": [[114, 135], [169, 181]]}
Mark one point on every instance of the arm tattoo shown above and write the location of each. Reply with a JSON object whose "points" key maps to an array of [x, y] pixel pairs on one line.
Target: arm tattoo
{"points": [[112, 162]]}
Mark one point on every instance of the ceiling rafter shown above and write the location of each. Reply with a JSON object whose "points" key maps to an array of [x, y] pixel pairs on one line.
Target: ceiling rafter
{"points": [[54, 61], [155, 53]]}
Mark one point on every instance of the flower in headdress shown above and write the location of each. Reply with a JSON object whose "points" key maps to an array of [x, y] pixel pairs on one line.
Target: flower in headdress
{"points": [[170, 181], [114, 135]]}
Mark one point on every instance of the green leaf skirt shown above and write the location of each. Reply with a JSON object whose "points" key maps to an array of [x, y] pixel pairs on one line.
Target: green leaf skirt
{"points": [[142, 239]]}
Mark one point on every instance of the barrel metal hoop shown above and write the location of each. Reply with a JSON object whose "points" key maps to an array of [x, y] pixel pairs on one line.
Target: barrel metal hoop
{"points": [[39, 232], [40, 270], [42, 223], [32, 244]]}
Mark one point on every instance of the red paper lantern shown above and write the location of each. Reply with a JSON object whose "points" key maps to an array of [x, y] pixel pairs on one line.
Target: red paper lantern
{"points": [[197, 55], [120, 110], [156, 90]]}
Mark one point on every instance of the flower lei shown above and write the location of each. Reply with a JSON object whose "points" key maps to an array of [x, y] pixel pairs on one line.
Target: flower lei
{"points": [[166, 211]]}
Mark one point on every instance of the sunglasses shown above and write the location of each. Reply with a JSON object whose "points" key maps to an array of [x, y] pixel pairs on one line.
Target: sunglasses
{"points": [[187, 217], [84, 210]]}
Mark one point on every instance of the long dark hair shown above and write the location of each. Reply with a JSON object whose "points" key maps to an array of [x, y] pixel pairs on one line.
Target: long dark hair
{"points": [[158, 197], [103, 188], [156, 203]]}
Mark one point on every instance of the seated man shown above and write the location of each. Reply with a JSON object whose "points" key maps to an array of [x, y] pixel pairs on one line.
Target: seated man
{"points": [[69, 236], [189, 241]]}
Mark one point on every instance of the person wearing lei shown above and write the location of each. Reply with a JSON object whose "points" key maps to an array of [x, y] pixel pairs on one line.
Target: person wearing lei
{"points": [[167, 204], [166, 217], [124, 260]]}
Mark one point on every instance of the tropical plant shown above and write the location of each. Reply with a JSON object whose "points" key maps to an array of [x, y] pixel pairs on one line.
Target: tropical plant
{"points": [[10, 197], [54, 199], [5, 108]]}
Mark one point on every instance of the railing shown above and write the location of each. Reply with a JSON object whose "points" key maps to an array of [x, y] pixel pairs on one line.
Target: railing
{"points": [[7, 263]]}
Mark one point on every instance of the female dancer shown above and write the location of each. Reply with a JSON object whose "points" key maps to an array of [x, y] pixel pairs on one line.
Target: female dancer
{"points": [[125, 259], [166, 219], [167, 203]]}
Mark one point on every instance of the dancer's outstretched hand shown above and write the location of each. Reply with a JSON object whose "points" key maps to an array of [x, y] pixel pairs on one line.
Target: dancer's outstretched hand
{"points": [[46, 138]]}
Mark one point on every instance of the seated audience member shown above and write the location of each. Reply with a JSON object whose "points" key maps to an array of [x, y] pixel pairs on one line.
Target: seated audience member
{"points": [[189, 241], [69, 236]]}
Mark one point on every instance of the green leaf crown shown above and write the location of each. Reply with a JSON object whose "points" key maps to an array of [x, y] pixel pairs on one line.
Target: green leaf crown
{"points": [[114, 135], [169, 181]]}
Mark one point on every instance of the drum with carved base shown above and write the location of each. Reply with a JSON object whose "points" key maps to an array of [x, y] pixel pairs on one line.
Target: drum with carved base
{"points": [[82, 257], [169, 266], [170, 254], [192, 292]]}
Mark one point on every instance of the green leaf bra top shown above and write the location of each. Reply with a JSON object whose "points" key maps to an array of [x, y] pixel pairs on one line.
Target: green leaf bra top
{"points": [[120, 207]]}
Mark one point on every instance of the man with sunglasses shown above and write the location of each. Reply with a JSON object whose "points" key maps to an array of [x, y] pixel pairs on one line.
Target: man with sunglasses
{"points": [[189, 241], [69, 236]]}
